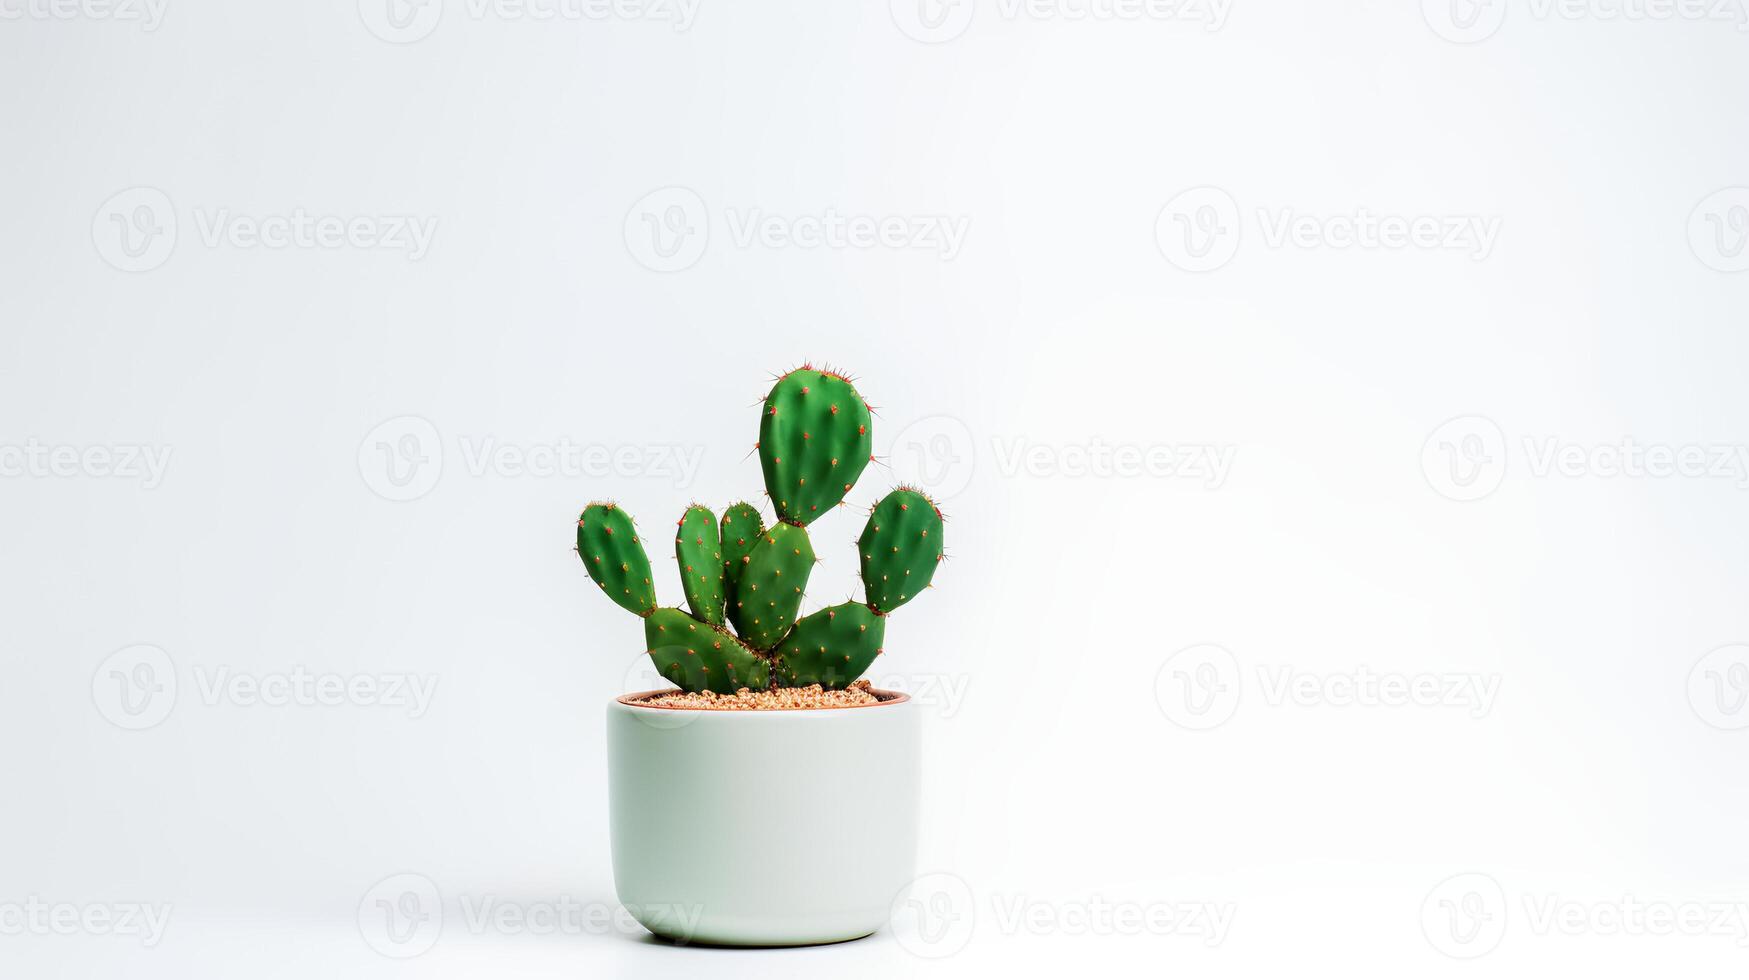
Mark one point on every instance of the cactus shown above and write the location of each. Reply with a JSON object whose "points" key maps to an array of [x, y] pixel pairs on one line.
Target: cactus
{"points": [[742, 529], [813, 444], [900, 547], [832, 647], [773, 581], [700, 554], [607, 541], [700, 657]]}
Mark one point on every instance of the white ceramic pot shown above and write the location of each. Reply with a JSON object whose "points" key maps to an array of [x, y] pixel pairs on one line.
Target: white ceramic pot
{"points": [[763, 828]]}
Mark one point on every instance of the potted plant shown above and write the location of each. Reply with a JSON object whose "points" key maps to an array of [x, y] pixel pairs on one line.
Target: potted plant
{"points": [[772, 799]]}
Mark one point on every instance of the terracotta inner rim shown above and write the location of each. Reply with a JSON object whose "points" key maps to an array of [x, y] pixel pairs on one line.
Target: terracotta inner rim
{"points": [[636, 700]]}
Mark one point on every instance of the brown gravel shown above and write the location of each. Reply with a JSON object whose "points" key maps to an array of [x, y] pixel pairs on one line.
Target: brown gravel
{"points": [[783, 698]]}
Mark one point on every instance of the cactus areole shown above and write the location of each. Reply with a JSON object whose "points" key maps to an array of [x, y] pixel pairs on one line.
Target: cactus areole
{"points": [[814, 442]]}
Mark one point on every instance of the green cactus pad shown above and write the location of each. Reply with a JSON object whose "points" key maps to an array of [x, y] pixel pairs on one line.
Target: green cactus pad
{"points": [[772, 583], [900, 547], [742, 529], [700, 555], [607, 541], [701, 657], [813, 442], [830, 648]]}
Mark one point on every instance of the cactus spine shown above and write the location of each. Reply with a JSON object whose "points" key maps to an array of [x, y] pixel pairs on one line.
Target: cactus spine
{"points": [[814, 442]]}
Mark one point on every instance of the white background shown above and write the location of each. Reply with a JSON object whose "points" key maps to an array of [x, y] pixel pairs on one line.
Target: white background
{"points": [[587, 180]]}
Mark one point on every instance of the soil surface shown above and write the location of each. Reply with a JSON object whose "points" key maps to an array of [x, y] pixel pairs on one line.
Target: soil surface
{"points": [[783, 698]]}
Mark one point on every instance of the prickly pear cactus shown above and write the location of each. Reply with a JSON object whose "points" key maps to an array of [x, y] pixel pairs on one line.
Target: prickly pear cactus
{"points": [[742, 529], [813, 442], [900, 547], [831, 647], [769, 593], [700, 554], [607, 541], [700, 657]]}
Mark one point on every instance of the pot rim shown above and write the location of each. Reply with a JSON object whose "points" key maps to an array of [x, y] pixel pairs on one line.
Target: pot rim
{"points": [[634, 700]]}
